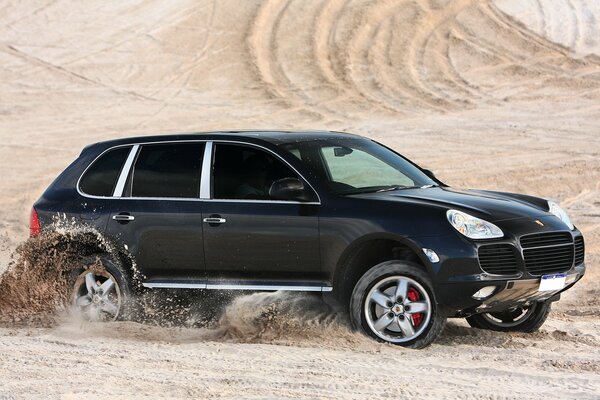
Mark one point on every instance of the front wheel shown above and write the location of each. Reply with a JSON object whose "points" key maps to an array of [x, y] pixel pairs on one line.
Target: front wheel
{"points": [[394, 302], [517, 319]]}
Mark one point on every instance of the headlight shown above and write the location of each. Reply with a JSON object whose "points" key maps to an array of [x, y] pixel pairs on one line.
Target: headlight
{"points": [[473, 227], [560, 214]]}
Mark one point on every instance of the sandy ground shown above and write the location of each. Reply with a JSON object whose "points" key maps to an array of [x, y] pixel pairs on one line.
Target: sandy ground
{"points": [[500, 95]]}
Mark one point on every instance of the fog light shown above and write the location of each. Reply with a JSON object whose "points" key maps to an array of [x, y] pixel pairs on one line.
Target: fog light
{"points": [[484, 292], [433, 257]]}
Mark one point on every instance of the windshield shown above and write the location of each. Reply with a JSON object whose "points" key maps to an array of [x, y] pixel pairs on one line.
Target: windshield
{"points": [[351, 166]]}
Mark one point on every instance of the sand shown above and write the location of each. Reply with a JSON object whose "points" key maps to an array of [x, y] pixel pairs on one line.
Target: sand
{"points": [[501, 95]]}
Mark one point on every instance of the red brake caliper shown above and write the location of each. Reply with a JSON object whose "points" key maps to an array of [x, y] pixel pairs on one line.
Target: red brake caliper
{"points": [[413, 295]]}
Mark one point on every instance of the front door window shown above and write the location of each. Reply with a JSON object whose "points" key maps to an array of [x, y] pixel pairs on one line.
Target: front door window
{"points": [[246, 173]]}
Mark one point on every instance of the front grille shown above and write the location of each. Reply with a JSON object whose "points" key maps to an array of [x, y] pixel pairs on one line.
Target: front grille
{"points": [[548, 253], [498, 259], [579, 250], [546, 239]]}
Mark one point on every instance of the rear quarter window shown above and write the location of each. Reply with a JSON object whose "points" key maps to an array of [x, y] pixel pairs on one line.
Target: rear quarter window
{"points": [[101, 177]]}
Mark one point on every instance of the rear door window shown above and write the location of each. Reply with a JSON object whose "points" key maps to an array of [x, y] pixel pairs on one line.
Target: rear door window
{"points": [[168, 170], [101, 177]]}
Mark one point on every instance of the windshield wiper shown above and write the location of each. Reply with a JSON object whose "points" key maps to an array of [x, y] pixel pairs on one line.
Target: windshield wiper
{"points": [[405, 187], [387, 188]]}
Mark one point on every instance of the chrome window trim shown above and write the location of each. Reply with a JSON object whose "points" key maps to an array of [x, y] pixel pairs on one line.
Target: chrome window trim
{"points": [[227, 286], [120, 186], [206, 171], [200, 198], [263, 201]]}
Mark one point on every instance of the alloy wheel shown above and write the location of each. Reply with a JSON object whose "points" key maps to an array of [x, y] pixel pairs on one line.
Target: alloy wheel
{"points": [[509, 318], [397, 309], [97, 296]]}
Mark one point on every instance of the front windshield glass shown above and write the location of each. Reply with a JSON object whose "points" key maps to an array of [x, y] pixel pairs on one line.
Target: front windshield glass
{"points": [[351, 166]]}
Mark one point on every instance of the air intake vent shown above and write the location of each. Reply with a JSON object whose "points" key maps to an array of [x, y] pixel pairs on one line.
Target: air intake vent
{"points": [[546, 239], [498, 259], [548, 253], [579, 250]]}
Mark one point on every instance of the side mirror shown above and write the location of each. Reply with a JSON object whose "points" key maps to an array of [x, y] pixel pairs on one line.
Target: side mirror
{"points": [[287, 189], [430, 174]]}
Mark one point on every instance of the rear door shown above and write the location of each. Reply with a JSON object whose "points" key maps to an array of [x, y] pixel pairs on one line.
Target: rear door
{"points": [[157, 215], [250, 239]]}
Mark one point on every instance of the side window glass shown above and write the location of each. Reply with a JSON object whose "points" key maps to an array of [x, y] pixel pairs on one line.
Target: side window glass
{"points": [[168, 170], [246, 173], [101, 177]]}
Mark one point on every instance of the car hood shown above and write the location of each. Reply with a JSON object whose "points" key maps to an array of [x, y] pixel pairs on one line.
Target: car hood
{"points": [[492, 206]]}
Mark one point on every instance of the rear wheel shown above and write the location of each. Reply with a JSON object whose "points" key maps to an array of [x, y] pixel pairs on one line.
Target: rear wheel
{"points": [[517, 319], [100, 291], [394, 302]]}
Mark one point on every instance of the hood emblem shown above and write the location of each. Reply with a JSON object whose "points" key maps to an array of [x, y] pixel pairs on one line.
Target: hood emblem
{"points": [[540, 223]]}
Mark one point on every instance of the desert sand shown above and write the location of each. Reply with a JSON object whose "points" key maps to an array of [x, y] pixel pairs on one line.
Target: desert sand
{"points": [[501, 95]]}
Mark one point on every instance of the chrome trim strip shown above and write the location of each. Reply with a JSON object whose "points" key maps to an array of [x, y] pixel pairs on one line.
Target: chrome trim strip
{"points": [[226, 286], [168, 285], [118, 192], [205, 174]]}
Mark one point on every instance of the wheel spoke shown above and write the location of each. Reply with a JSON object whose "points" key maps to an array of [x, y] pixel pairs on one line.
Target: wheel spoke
{"points": [[90, 283], [406, 327], [401, 289], [107, 286], [382, 299], [83, 301], [417, 307], [110, 308], [383, 322]]}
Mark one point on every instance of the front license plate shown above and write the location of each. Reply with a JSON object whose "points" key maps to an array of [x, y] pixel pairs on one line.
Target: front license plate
{"points": [[552, 282]]}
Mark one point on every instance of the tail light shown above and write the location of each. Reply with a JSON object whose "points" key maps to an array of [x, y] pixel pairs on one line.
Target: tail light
{"points": [[34, 224]]}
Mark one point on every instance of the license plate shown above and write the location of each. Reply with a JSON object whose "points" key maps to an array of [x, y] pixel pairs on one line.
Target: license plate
{"points": [[552, 282]]}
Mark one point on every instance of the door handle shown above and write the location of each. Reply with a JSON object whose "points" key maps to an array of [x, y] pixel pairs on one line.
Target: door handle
{"points": [[214, 220], [123, 217]]}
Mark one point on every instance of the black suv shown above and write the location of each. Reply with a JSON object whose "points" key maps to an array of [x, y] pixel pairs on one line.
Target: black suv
{"points": [[314, 212]]}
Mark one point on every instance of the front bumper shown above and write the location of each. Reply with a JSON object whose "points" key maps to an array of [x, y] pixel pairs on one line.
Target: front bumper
{"points": [[456, 299], [458, 274]]}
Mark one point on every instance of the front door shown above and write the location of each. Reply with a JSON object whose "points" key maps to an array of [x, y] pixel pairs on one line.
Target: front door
{"points": [[158, 217], [250, 239]]}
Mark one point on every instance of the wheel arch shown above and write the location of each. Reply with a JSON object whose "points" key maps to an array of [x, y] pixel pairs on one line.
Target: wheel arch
{"points": [[88, 244], [369, 250]]}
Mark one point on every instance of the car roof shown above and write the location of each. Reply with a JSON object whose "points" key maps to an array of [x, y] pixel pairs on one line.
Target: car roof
{"points": [[271, 136]]}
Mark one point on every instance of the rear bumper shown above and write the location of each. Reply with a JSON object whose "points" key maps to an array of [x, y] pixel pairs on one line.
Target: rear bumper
{"points": [[455, 299]]}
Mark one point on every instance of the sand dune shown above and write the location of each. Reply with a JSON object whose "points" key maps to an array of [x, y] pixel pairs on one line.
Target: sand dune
{"points": [[501, 94]]}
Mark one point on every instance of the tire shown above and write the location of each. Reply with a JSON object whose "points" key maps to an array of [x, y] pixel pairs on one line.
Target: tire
{"points": [[392, 279], [94, 297], [513, 320]]}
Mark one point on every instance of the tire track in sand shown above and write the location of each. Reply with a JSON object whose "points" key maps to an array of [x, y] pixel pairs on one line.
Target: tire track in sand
{"points": [[402, 56]]}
